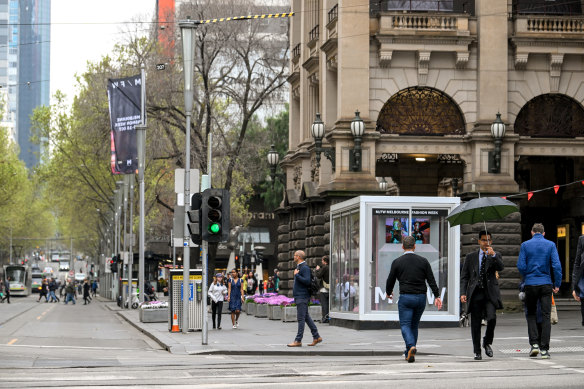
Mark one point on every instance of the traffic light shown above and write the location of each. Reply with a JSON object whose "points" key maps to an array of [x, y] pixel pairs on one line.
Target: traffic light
{"points": [[215, 217], [194, 224], [114, 265]]}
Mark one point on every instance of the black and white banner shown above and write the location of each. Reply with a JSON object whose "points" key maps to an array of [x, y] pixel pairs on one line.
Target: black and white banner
{"points": [[124, 105]]}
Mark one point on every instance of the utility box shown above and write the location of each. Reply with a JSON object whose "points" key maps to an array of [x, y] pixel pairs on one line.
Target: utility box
{"points": [[194, 294]]}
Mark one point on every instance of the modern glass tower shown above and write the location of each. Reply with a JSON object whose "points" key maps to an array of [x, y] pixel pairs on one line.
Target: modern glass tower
{"points": [[32, 67]]}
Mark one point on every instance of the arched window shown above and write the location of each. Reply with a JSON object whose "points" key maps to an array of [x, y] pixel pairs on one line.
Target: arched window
{"points": [[551, 115], [421, 111]]}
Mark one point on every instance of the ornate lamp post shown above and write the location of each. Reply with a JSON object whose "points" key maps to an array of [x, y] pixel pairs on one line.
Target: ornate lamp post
{"points": [[498, 133], [317, 130], [357, 129]]}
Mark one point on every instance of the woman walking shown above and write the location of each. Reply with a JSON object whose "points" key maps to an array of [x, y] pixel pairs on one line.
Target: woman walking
{"points": [[235, 297], [86, 288], [217, 292]]}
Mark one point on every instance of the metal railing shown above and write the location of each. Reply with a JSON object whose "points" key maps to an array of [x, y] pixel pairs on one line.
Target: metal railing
{"points": [[296, 51], [333, 13], [542, 7], [314, 34]]}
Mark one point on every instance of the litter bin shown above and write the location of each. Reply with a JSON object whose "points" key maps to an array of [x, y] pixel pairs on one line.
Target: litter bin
{"points": [[195, 295]]}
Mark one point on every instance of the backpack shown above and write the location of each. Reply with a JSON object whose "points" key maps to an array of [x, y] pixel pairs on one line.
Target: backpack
{"points": [[314, 284]]}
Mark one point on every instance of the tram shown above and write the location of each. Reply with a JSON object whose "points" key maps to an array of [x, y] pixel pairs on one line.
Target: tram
{"points": [[20, 279]]}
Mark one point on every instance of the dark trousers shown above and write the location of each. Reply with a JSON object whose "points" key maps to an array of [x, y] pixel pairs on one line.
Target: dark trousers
{"points": [[304, 318], [324, 303], [480, 308], [582, 309], [216, 309], [6, 297], [543, 295]]}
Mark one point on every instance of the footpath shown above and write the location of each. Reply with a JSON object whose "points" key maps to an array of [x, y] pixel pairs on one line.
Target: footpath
{"points": [[260, 336]]}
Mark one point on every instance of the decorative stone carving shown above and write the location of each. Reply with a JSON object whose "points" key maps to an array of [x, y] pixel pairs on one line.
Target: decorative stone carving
{"points": [[332, 63], [462, 59], [423, 62], [297, 177], [313, 79], [521, 60], [556, 61], [385, 57]]}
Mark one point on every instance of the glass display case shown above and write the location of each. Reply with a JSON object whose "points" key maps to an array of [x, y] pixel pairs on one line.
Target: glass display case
{"points": [[366, 237]]}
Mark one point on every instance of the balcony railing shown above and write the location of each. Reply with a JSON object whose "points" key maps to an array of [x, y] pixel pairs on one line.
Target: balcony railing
{"points": [[296, 52], [314, 34], [333, 14], [424, 22], [555, 24]]}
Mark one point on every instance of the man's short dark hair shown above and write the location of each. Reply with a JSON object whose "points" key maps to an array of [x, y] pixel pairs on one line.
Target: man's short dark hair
{"points": [[538, 228], [484, 233], [325, 259], [408, 242]]}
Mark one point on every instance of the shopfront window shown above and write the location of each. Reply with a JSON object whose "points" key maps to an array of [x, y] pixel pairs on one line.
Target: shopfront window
{"points": [[390, 226], [345, 262]]}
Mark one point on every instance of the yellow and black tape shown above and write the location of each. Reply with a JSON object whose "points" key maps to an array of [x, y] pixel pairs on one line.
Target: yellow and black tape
{"points": [[248, 17]]}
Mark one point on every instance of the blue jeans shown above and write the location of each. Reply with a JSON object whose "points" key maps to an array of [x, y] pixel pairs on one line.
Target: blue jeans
{"points": [[304, 317], [52, 296], [70, 297], [410, 308]]}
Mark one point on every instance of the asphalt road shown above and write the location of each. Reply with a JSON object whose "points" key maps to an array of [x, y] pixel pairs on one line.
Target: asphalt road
{"points": [[57, 345]]}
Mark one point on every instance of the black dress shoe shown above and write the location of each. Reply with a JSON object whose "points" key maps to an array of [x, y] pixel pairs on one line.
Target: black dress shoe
{"points": [[488, 350], [478, 357]]}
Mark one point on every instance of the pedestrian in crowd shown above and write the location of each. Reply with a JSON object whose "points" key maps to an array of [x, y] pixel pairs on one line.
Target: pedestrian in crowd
{"points": [[479, 288], [577, 275], [323, 274], [217, 292], [70, 293], [86, 289], [79, 287], [412, 271], [62, 288], [149, 294], [538, 315], [276, 280], [252, 283], [244, 281], [94, 288], [52, 288], [271, 288], [537, 257], [235, 297], [7, 290], [347, 293], [44, 291], [301, 294]]}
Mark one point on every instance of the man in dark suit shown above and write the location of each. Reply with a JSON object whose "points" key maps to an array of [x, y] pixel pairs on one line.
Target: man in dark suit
{"points": [[301, 298], [412, 271], [479, 288]]}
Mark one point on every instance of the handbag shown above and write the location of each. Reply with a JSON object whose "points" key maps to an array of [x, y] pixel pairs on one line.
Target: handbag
{"points": [[554, 312]]}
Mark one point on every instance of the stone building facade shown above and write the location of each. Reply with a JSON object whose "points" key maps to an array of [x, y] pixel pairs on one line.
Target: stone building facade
{"points": [[428, 78]]}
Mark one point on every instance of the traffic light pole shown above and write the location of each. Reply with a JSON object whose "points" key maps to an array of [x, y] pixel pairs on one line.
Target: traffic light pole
{"points": [[205, 244]]}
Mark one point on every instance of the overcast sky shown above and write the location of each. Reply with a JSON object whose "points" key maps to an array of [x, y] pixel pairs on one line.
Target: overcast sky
{"points": [[86, 30]]}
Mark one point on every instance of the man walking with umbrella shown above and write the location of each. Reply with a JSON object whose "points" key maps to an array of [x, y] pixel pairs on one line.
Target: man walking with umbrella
{"points": [[479, 288], [537, 257]]}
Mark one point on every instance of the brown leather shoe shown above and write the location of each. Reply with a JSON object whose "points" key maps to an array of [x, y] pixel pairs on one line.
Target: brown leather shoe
{"points": [[295, 344], [315, 341]]}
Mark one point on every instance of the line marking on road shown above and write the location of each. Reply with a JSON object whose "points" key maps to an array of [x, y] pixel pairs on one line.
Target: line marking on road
{"points": [[558, 367], [39, 317], [12, 341], [542, 362]]}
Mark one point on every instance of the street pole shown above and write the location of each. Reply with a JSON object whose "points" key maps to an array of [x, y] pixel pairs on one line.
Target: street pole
{"points": [[141, 167], [205, 249], [187, 31], [173, 249], [125, 248], [131, 243]]}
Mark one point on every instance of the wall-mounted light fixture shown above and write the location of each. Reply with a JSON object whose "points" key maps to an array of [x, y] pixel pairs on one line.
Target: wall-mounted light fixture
{"points": [[317, 130], [498, 133]]}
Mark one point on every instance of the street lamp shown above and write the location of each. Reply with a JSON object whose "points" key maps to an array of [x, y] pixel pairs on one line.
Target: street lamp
{"points": [[273, 159], [498, 132], [187, 30], [317, 130], [357, 129]]}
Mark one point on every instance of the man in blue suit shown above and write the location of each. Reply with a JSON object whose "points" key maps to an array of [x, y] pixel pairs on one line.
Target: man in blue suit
{"points": [[537, 257], [301, 298]]}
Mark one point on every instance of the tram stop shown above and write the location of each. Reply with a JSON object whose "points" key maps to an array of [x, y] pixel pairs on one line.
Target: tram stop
{"points": [[366, 237], [195, 296]]}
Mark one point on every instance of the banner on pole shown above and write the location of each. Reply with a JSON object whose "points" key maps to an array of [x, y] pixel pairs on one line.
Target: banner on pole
{"points": [[124, 106]]}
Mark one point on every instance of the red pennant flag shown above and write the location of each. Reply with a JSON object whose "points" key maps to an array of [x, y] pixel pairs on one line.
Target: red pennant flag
{"points": [[582, 182], [529, 195], [504, 197], [556, 188]]}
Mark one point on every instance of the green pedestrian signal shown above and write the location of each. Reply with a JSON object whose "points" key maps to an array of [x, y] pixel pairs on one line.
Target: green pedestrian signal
{"points": [[214, 228], [215, 218]]}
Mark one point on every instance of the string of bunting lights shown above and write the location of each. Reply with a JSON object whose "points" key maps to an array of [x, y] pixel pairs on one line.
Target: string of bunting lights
{"points": [[530, 194]]}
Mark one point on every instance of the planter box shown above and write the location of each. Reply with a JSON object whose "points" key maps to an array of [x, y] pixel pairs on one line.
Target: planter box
{"points": [[289, 314], [159, 315], [315, 312], [274, 312], [251, 309], [261, 310]]}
